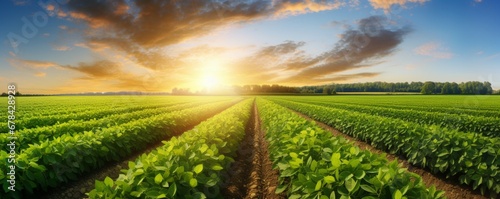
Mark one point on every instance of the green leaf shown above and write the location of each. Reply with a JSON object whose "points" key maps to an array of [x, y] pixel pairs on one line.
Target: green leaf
{"points": [[136, 194], [318, 186], [332, 195], [108, 182], [293, 155], [397, 194], [335, 160], [329, 179], [368, 189], [158, 178], [354, 150], [217, 167], [203, 148], [314, 164], [100, 186], [294, 196], [281, 188], [198, 168], [193, 182], [350, 184], [172, 190], [138, 172]]}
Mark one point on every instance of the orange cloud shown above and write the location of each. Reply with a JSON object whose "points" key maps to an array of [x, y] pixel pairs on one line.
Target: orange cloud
{"points": [[40, 74], [33, 64], [93, 45], [50, 7], [386, 4], [302, 7]]}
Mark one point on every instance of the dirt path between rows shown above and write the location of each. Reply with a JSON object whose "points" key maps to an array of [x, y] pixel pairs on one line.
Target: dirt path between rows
{"points": [[252, 175], [86, 183], [451, 187]]}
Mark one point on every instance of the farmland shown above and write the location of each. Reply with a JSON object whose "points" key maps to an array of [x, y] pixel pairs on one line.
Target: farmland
{"points": [[374, 146]]}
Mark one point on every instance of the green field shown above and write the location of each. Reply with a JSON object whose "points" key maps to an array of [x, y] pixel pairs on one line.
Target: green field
{"points": [[188, 146]]}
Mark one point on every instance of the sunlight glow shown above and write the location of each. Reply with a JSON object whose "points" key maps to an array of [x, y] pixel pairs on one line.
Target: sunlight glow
{"points": [[210, 81], [210, 78]]}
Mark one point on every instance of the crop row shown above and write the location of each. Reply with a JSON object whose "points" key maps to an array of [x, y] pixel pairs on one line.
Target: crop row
{"points": [[188, 166], [457, 102], [488, 126], [53, 162], [35, 135], [407, 103], [315, 164], [61, 105], [49, 120], [473, 158]]}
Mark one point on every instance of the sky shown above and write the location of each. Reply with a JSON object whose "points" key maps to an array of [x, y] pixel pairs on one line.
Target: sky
{"points": [[73, 46]]}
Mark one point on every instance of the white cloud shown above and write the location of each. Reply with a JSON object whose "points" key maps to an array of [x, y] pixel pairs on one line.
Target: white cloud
{"points": [[433, 49]]}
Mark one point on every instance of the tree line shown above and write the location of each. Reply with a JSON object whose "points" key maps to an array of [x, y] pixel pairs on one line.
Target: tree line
{"points": [[466, 88]]}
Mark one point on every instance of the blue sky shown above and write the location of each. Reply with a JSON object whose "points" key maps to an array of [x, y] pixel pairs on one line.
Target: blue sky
{"points": [[96, 46]]}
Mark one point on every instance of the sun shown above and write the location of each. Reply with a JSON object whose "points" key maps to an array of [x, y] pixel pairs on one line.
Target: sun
{"points": [[209, 81]]}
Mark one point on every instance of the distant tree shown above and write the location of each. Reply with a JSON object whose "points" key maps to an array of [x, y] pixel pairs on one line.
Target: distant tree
{"points": [[18, 93], [487, 88], [4, 94], [428, 88], [326, 90], [455, 88], [181, 91], [447, 88]]}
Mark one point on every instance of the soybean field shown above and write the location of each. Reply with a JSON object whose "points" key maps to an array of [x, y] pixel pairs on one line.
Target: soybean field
{"points": [[324, 147]]}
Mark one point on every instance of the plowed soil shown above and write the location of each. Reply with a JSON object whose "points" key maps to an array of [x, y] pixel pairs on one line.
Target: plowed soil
{"points": [[251, 175]]}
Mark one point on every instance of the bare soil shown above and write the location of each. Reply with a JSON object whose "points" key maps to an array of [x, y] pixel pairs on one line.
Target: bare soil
{"points": [[451, 186], [252, 175]]}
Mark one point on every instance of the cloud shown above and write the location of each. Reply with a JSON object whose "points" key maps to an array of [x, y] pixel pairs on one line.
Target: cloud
{"points": [[98, 69], [356, 49], [32, 64], [386, 4], [433, 49], [21, 2], [142, 28], [40, 74], [302, 7], [340, 24], [478, 1], [158, 23], [349, 77], [96, 46], [141, 31], [287, 63], [61, 48]]}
